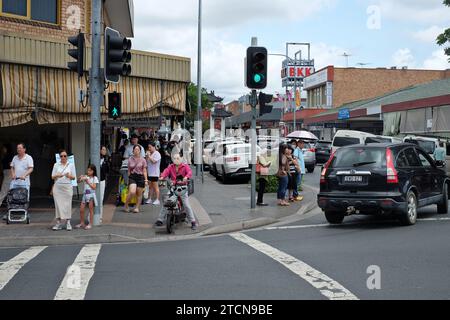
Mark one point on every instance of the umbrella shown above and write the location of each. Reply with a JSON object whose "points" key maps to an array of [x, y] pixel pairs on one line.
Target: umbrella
{"points": [[304, 135]]}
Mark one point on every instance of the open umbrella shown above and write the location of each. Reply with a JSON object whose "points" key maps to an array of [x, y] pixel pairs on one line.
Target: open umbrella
{"points": [[304, 135]]}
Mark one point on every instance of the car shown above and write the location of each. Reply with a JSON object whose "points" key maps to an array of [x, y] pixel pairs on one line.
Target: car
{"points": [[323, 151], [382, 179], [429, 144], [217, 150], [309, 154], [234, 162], [345, 138]]}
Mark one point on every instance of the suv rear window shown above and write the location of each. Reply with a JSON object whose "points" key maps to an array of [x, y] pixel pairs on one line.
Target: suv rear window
{"points": [[360, 158], [323, 145], [378, 140], [345, 141]]}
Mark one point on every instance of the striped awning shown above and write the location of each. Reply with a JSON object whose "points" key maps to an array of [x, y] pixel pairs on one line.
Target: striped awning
{"points": [[48, 95]]}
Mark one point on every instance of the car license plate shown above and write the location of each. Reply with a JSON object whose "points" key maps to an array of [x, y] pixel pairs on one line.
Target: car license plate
{"points": [[353, 179]]}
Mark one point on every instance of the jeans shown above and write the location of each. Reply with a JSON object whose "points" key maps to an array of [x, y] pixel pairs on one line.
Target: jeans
{"points": [[299, 182], [187, 208], [282, 187], [262, 189]]}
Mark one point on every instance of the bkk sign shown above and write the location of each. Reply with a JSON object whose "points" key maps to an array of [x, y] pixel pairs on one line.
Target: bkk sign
{"points": [[293, 73]]}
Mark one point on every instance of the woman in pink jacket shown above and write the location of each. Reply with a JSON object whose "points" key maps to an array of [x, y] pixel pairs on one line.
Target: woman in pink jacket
{"points": [[174, 171]]}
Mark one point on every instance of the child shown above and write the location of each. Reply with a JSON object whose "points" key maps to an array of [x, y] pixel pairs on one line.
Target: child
{"points": [[90, 185]]}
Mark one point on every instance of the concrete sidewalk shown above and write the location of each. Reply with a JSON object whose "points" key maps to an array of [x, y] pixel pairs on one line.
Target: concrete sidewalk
{"points": [[218, 208]]}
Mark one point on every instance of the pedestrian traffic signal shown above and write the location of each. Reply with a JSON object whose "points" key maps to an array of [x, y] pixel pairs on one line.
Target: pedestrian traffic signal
{"points": [[77, 54], [117, 56], [263, 100], [256, 68], [114, 105]]}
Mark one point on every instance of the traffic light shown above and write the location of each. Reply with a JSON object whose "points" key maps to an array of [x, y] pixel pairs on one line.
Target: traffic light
{"points": [[117, 56], [77, 54], [256, 68], [263, 100], [114, 105]]}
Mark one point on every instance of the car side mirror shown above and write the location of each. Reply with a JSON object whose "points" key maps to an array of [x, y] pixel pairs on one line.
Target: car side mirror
{"points": [[440, 164]]}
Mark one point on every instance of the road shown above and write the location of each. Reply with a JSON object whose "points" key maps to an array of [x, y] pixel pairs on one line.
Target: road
{"points": [[365, 258]]}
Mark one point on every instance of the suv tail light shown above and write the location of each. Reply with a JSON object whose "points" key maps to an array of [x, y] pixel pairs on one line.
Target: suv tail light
{"points": [[325, 168], [233, 159], [312, 150], [392, 174]]}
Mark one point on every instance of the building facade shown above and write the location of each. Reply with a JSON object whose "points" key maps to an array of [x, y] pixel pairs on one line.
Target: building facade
{"points": [[39, 96], [333, 87]]}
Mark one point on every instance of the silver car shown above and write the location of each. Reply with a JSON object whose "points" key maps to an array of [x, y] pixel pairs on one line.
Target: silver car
{"points": [[309, 153]]}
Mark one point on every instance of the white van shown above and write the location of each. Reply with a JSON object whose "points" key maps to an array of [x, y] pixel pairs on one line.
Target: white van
{"points": [[384, 139], [345, 138], [429, 144]]}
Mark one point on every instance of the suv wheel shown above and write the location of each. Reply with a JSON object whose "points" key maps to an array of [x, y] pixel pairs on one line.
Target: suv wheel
{"points": [[213, 170], [409, 217], [224, 176], [311, 169], [334, 217], [443, 206]]}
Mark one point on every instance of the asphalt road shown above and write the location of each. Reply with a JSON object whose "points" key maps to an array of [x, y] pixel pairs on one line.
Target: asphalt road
{"points": [[365, 258]]}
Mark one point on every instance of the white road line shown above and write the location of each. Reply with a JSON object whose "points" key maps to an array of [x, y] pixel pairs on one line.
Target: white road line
{"points": [[298, 227], [78, 275], [10, 268], [327, 286]]}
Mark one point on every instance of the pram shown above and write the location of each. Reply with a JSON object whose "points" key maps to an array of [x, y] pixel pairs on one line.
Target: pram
{"points": [[17, 202]]}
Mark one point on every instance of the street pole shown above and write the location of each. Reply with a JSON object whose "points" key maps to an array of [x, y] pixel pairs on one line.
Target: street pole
{"points": [[253, 103], [199, 89], [97, 88]]}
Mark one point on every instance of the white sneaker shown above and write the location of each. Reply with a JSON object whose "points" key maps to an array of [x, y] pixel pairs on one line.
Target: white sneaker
{"points": [[68, 226], [156, 203], [149, 201], [57, 227]]}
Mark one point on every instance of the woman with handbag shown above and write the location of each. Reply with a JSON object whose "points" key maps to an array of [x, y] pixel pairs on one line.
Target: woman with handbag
{"points": [[63, 173], [262, 171], [294, 170]]}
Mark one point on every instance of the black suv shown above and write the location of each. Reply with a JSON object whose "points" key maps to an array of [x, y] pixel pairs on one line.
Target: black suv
{"points": [[381, 179], [323, 151]]}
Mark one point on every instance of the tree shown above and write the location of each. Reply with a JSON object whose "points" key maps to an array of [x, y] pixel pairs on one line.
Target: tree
{"points": [[444, 38], [191, 115]]}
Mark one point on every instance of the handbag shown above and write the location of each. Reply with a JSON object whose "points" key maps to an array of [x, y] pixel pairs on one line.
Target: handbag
{"points": [[258, 168], [264, 171]]}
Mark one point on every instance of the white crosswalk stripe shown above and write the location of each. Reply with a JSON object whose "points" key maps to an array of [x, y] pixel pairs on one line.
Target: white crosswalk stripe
{"points": [[78, 275], [10, 268], [327, 286]]}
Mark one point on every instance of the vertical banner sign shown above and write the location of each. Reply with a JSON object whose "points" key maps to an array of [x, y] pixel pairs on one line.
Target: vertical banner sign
{"points": [[298, 99]]}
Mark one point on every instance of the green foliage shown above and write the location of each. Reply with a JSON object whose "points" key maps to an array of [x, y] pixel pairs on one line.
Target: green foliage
{"points": [[191, 116], [444, 38], [272, 186]]}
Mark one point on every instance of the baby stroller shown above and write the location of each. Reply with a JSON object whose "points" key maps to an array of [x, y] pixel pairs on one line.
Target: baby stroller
{"points": [[17, 203]]}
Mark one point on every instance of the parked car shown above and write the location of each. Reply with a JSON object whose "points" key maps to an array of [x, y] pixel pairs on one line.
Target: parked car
{"points": [[382, 179], [323, 151], [309, 154], [218, 150], [234, 162], [345, 138], [429, 144]]}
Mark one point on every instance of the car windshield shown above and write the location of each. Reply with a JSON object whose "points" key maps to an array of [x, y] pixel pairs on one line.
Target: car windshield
{"points": [[428, 146], [323, 145], [345, 141], [360, 157]]}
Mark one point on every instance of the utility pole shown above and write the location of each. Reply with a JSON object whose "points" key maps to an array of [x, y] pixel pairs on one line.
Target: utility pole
{"points": [[97, 88], [253, 103]]}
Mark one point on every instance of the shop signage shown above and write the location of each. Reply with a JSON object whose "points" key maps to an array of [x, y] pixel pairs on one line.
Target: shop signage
{"points": [[293, 72], [316, 79], [134, 123], [344, 114]]}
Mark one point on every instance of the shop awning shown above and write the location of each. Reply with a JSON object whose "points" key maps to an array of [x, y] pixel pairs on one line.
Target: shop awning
{"points": [[49, 95]]}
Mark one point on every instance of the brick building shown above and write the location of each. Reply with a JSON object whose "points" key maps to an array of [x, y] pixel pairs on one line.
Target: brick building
{"points": [[333, 87], [39, 95]]}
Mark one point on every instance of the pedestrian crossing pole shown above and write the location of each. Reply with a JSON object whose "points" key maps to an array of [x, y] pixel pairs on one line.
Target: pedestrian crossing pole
{"points": [[253, 103], [97, 88]]}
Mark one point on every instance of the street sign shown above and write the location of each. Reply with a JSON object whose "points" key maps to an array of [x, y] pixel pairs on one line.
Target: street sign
{"points": [[344, 114], [133, 123]]}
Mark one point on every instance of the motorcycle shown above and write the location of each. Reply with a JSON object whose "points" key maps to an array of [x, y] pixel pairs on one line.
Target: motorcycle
{"points": [[174, 204]]}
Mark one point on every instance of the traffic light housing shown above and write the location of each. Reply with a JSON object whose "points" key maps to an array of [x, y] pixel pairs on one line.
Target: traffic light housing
{"points": [[78, 54], [117, 56], [114, 105], [264, 99], [256, 68]]}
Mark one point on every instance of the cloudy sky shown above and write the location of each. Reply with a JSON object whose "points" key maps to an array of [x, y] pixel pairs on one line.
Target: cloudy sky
{"points": [[379, 33]]}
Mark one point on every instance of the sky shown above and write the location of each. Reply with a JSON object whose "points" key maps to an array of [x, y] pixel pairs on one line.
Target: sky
{"points": [[375, 33]]}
